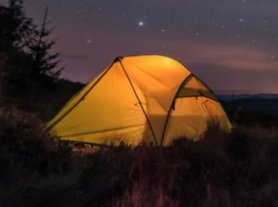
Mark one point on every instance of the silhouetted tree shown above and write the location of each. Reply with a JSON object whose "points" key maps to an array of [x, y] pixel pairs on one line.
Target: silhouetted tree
{"points": [[44, 63], [15, 27], [30, 68]]}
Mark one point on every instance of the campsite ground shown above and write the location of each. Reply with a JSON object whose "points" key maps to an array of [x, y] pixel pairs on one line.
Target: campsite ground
{"points": [[237, 169]]}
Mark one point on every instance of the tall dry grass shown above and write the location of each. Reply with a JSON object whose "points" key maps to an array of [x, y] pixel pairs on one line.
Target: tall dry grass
{"points": [[236, 169]]}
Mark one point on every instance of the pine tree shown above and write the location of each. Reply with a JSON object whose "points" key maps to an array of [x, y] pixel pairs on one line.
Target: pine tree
{"points": [[44, 64], [31, 69], [15, 27]]}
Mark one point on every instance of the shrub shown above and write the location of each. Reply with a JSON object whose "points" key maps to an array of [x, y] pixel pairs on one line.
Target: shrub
{"points": [[222, 169], [26, 146]]}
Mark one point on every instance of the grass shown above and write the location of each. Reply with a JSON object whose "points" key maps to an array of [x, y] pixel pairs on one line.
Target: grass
{"points": [[237, 169]]}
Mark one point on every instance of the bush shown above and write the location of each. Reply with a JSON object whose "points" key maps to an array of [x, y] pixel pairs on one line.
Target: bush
{"points": [[236, 169], [26, 146]]}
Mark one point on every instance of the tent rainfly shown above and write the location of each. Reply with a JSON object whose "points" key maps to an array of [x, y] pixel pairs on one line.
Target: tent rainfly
{"points": [[140, 99]]}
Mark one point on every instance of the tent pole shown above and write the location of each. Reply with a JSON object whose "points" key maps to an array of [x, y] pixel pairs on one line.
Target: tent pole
{"points": [[171, 106], [138, 99]]}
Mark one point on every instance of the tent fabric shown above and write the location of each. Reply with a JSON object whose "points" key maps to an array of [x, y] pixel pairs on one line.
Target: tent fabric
{"points": [[140, 99]]}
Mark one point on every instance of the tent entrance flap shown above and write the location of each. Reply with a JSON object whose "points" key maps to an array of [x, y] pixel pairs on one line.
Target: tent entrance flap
{"points": [[194, 88]]}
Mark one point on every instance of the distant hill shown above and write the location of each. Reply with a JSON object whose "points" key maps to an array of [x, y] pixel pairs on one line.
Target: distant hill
{"points": [[249, 109], [247, 96], [258, 102], [64, 90], [67, 88]]}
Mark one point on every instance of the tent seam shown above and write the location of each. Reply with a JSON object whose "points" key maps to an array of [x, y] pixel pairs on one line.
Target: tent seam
{"points": [[140, 103]]}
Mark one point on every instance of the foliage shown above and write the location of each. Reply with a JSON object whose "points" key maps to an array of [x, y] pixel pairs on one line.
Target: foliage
{"points": [[24, 142], [44, 64], [15, 27], [30, 69], [237, 169]]}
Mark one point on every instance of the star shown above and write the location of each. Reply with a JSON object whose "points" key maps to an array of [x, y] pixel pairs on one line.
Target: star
{"points": [[141, 23]]}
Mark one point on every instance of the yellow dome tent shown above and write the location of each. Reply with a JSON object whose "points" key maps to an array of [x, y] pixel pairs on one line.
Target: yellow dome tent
{"points": [[140, 99]]}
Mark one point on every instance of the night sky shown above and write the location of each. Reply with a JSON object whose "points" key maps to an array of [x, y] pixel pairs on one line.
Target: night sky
{"points": [[231, 44]]}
